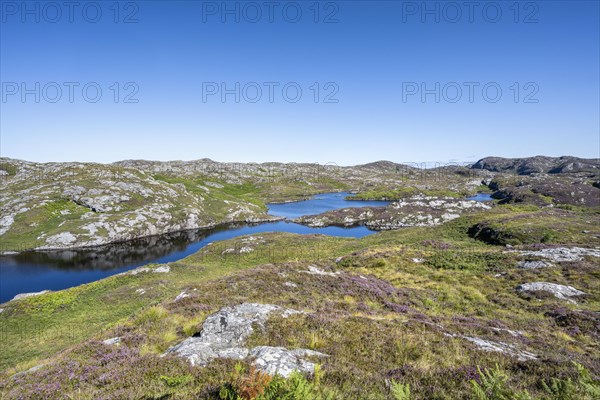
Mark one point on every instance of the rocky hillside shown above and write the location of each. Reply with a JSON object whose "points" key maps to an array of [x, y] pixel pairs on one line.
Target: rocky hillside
{"points": [[572, 189], [67, 205], [539, 164], [59, 205]]}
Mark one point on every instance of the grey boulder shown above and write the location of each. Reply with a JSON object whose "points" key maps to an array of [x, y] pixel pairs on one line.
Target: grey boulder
{"points": [[534, 264], [559, 291], [224, 333]]}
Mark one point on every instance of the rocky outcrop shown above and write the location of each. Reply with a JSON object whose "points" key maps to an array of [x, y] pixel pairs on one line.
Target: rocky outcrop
{"points": [[312, 270], [501, 347], [414, 211], [224, 333], [496, 346], [560, 254], [112, 341], [279, 360], [533, 264], [577, 192], [559, 291], [26, 295], [29, 371], [542, 189], [163, 269]]}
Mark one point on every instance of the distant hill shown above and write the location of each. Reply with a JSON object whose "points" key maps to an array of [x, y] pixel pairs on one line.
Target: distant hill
{"points": [[538, 164]]}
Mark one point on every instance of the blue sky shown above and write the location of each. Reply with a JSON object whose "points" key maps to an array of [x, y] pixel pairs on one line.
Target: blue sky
{"points": [[375, 58]]}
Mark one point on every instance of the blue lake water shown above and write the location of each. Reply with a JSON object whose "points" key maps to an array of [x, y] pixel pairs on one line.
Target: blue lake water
{"points": [[320, 204], [481, 197], [54, 270]]}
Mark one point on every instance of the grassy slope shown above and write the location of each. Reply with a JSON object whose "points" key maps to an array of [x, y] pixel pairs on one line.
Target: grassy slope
{"points": [[45, 219], [277, 189], [373, 330]]}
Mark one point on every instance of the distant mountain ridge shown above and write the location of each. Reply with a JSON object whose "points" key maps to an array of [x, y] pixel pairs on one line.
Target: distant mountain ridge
{"points": [[521, 166]]}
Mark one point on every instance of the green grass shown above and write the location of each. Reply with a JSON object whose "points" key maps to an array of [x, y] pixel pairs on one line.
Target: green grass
{"points": [[515, 225], [9, 168], [230, 192], [42, 219]]}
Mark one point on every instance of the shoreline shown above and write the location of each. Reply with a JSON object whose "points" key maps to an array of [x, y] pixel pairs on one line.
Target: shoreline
{"points": [[114, 242]]}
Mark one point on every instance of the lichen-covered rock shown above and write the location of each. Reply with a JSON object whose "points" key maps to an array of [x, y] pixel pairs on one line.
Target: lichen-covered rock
{"points": [[533, 264], [317, 271], [112, 341], [5, 222], [281, 361], [559, 254], [501, 347], [224, 333], [559, 291], [60, 240], [495, 346], [163, 269], [182, 295]]}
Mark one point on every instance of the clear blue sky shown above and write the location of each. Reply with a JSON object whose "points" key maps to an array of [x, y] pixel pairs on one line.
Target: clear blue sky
{"points": [[375, 56]]}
